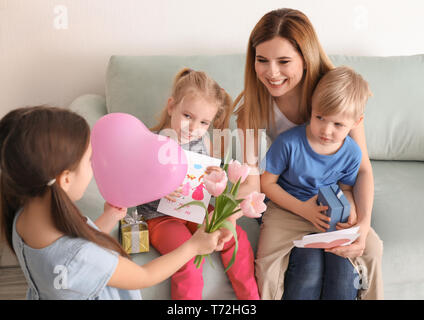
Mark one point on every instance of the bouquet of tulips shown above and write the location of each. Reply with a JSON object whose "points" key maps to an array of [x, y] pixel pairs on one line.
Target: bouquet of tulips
{"points": [[226, 202]]}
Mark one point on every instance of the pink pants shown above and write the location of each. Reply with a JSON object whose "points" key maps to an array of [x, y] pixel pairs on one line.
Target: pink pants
{"points": [[168, 233]]}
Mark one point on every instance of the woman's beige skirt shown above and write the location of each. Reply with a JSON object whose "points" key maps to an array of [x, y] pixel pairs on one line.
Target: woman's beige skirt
{"points": [[278, 230]]}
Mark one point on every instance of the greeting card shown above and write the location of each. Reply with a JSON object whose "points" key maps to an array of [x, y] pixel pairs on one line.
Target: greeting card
{"points": [[192, 189], [327, 240]]}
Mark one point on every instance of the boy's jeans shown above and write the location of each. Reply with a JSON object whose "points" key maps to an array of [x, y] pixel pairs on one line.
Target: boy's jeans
{"points": [[314, 274]]}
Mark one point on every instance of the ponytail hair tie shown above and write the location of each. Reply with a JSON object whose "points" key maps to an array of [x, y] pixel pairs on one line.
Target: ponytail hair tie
{"points": [[51, 182]]}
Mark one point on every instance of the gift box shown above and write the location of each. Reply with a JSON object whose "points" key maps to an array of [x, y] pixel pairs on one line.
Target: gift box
{"points": [[134, 234], [338, 206]]}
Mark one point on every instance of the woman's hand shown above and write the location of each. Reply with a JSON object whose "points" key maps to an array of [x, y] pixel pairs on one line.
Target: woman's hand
{"points": [[312, 212], [355, 249]]}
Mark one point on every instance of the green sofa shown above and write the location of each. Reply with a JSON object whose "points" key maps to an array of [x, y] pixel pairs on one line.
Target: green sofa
{"points": [[394, 124]]}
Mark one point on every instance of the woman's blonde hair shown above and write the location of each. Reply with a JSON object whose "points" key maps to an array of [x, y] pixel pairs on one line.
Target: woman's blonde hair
{"points": [[188, 81], [341, 91], [294, 26]]}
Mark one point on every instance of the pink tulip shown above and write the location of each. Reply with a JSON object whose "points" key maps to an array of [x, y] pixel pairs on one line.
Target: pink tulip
{"points": [[215, 182], [236, 170], [253, 205]]}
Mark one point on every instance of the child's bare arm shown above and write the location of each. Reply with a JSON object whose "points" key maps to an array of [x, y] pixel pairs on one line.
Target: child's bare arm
{"points": [[128, 275], [309, 209], [110, 217], [278, 195]]}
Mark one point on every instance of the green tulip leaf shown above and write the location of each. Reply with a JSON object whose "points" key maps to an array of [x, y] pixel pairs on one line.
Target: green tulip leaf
{"points": [[228, 225]]}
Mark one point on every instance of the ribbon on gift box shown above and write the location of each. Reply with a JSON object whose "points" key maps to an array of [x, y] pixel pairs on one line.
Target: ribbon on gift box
{"points": [[134, 221], [339, 193], [343, 200]]}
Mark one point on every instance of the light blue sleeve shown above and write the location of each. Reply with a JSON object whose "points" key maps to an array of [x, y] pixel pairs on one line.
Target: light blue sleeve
{"points": [[89, 271]]}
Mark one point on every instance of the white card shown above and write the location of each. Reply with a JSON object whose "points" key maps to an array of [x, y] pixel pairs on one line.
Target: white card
{"points": [[193, 189], [327, 240]]}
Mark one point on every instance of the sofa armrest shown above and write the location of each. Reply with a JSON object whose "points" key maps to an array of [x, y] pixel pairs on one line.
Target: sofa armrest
{"points": [[91, 106]]}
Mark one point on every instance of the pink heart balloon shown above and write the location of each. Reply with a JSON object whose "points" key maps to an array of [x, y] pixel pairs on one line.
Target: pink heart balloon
{"points": [[132, 165]]}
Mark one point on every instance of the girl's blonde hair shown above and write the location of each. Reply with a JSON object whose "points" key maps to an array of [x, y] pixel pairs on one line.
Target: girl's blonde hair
{"points": [[294, 26], [341, 91], [188, 81]]}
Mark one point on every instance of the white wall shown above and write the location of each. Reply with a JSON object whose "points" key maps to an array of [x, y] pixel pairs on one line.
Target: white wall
{"points": [[52, 51]]}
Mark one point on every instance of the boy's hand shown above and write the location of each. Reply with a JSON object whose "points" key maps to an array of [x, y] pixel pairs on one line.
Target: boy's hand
{"points": [[313, 212], [351, 221], [175, 194], [114, 212]]}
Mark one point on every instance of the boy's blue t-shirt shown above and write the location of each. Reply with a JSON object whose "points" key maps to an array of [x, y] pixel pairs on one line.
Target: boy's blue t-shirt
{"points": [[302, 171]]}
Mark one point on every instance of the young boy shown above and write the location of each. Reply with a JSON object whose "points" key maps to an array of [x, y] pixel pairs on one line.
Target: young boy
{"points": [[305, 158]]}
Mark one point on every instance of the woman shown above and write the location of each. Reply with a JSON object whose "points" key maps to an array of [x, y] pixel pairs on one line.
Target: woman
{"points": [[283, 65]]}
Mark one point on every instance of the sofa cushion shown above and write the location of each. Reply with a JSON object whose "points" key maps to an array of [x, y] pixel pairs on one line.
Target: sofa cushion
{"points": [[398, 219], [394, 115], [91, 106], [140, 85]]}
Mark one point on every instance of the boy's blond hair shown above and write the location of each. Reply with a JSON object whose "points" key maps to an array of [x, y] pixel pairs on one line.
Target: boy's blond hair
{"points": [[341, 90]]}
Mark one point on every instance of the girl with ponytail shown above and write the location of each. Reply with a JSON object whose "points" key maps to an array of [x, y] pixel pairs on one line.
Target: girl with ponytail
{"points": [[45, 167], [197, 103]]}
